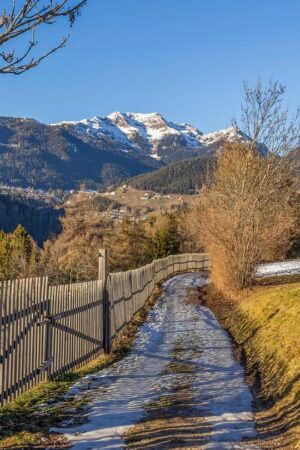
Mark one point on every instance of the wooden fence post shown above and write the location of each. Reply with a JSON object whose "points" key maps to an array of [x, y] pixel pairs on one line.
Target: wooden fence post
{"points": [[48, 339], [103, 264], [103, 275]]}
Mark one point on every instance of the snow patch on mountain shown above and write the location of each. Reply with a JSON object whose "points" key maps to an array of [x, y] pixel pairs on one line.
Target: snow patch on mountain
{"points": [[153, 128], [150, 133], [230, 134]]}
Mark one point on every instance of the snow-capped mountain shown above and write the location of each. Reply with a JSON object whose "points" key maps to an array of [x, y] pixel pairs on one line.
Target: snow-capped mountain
{"points": [[98, 152], [152, 135]]}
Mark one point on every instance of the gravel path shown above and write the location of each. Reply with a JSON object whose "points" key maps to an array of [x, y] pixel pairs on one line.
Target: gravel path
{"points": [[179, 387]]}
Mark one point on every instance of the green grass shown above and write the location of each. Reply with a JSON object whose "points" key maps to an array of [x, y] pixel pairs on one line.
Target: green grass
{"points": [[265, 324], [21, 425]]}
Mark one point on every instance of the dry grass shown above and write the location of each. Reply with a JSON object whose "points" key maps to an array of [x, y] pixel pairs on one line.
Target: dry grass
{"points": [[179, 367], [173, 420], [265, 324], [133, 196], [170, 423]]}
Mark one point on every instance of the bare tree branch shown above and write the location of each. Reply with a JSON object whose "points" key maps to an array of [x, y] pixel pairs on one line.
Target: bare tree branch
{"points": [[247, 213], [266, 121], [24, 19]]}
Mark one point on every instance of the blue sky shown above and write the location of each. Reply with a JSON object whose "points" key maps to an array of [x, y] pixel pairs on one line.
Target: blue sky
{"points": [[184, 58]]}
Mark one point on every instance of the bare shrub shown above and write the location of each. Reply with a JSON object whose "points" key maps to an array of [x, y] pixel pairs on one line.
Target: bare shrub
{"points": [[267, 121], [245, 215]]}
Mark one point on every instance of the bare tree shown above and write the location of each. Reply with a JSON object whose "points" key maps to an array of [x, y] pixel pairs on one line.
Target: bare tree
{"points": [[246, 215], [22, 18], [267, 121]]}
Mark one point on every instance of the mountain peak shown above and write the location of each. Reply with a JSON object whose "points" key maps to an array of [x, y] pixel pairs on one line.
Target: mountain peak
{"points": [[152, 135], [101, 150], [230, 134]]}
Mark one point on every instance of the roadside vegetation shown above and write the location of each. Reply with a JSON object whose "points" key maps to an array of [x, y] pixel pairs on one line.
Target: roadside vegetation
{"points": [[73, 256], [246, 214], [264, 323]]}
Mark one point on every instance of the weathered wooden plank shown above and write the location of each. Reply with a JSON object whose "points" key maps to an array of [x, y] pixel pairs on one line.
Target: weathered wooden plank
{"points": [[22, 354], [36, 362], [4, 340]]}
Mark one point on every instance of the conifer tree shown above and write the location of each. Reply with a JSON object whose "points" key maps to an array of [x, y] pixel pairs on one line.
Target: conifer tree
{"points": [[166, 240], [129, 246], [18, 254]]}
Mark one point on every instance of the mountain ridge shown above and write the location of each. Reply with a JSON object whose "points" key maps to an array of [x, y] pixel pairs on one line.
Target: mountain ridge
{"points": [[152, 134], [98, 152]]}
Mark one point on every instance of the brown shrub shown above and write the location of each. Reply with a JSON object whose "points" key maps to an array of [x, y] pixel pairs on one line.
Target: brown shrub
{"points": [[245, 216]]}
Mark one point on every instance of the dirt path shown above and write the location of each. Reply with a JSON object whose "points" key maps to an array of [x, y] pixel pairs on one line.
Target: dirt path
{"points": [[179, 387]]}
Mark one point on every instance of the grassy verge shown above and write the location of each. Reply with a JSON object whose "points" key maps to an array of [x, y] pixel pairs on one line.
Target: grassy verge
{"points": [[265, 324], [25, 422]]}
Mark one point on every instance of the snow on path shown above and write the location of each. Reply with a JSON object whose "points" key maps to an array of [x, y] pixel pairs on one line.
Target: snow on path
{"points": [[288, 267], [120, 392]]}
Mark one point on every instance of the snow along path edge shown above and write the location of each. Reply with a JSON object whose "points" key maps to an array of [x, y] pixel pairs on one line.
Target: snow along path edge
{"points": [[120, 392]]}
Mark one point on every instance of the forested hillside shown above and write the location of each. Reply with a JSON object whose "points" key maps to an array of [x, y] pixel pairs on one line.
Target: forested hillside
{"points": [[40, 219], [182, 177], [43, 156], [100, 152]]}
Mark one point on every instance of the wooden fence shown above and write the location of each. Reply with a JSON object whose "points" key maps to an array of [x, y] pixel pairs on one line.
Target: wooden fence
{"points": [[47, 330]]}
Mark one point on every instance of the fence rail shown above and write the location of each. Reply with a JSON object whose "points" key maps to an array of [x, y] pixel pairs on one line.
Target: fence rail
{"points": [[47, 330]]}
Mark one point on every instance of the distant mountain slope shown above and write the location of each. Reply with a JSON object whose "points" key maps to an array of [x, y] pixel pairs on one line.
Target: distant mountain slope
{"points": [[185, 177], [41, 156], [40, 219], [182, 177], [99, 152]]}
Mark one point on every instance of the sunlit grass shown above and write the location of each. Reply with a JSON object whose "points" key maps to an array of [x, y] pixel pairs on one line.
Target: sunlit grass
{"points": [[265, 323]]}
